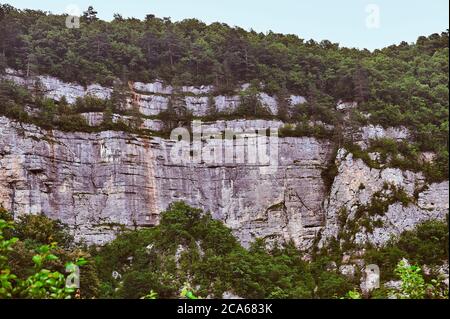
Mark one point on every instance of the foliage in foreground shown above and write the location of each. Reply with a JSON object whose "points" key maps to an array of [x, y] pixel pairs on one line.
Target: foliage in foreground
{"points": [[413, 285], [43, 284], [427, 244], [34, 265], [190, 255], [191, 247]]}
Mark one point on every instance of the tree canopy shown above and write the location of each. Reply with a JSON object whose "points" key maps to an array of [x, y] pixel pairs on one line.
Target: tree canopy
{"points": [[400, 85]]}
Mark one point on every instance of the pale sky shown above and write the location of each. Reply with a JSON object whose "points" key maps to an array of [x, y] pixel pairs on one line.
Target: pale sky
{"points": [[345, 22]]}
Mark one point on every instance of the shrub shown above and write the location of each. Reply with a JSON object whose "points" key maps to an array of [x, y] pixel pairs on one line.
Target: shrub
{"points": [[427, 244], [42, 230], [42, 283]]}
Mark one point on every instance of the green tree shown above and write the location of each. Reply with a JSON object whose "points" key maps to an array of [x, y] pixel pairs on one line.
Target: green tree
{"points": [[90, 15]]}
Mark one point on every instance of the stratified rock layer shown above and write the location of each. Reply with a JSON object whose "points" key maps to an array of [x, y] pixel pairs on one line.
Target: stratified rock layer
{"points": [[98, 182]]}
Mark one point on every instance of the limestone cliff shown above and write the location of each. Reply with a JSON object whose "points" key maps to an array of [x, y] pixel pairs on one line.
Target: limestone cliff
{"points": [[356, 185], [151, 98], [100, 183]]}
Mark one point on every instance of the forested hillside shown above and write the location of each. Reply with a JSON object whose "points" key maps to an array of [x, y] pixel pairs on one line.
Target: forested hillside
{"points": [[346, 194], [404, 84]]}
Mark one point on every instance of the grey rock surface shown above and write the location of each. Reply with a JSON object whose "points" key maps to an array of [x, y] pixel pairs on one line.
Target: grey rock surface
{"points": [[151, 98], [355, 185], [100, 182]]}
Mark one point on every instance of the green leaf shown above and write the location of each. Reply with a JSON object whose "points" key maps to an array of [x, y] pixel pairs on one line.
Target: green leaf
{"points": [[44, 249], [50, 282], [37, 259], [81, 262], [51, 257]]}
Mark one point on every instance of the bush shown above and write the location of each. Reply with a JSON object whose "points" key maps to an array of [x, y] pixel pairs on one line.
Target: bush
{"points": [[427, 244], [414, 286], [41, 283], [42, 230], [35, 256]]}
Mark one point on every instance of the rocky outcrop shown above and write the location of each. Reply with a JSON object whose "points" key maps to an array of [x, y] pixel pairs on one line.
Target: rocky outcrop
{"points": [[151, 98], [96, 119], [96, 183], [150, 105], [100, 183], [56, 89], [356, 184], [345, 106], [373, 132], [376, 132], [240, 126], [281, 204]]}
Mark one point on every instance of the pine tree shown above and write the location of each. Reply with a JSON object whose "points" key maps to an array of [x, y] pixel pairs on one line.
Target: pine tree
{"points": [[283, 104], [118, 98]]}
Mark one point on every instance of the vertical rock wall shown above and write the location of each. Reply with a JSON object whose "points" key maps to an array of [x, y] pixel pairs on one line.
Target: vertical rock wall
{"points": [[100, 182]]}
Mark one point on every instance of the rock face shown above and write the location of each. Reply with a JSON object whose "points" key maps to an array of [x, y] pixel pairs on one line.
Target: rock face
{"points": [[96, 119], [92, 182], [56, 89], [372, 132], [99, 182], [356, 184], [344, 106], [282, 204]]}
